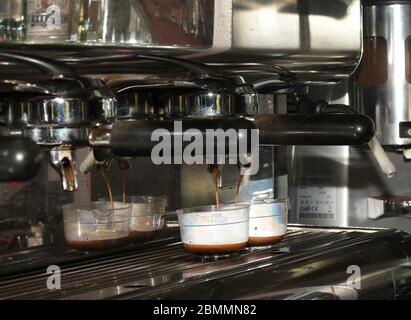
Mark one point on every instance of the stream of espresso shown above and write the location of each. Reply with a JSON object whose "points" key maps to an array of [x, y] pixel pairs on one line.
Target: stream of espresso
{"points": [[216, 173], [237, 192], [103, 174], [124, 183]]}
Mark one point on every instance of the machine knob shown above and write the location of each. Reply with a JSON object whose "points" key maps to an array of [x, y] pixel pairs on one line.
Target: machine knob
{"points": [[20, 159]]}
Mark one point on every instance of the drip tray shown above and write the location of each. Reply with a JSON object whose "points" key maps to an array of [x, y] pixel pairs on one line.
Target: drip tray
{"points": [[309, 263]]}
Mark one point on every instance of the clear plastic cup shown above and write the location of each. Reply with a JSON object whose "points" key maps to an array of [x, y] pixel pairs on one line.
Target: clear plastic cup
{"points": [[96, 225], [268, 221], [147, 217], [214, 230]]}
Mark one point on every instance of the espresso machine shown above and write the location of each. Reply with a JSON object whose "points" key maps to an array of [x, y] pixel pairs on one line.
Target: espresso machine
{"points": [[85, 83]]}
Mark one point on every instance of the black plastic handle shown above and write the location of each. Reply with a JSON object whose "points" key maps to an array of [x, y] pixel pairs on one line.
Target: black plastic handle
{"points": [[315, 129], [133, 138]]}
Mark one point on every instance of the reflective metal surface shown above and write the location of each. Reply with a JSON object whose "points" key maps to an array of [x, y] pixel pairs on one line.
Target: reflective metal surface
{"points": [[349, 176], [319, 176], [319, 41], [387, 99], [270, 181], [310, 263], [54, 109], [345, 177], [205, 96], [224, 51], [62, 159]]}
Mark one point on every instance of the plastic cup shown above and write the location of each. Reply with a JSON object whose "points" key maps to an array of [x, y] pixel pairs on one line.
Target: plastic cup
{"points": [[147, 217], [96, 225], [214, 230], [268, 221]]}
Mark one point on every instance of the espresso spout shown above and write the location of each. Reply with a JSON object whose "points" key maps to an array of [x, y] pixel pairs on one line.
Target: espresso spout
{"points": [[62, 159]]}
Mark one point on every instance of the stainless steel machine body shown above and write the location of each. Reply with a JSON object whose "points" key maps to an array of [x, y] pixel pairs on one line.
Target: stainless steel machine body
{"points": [[383, 79], [343, 185], [238, 35]]}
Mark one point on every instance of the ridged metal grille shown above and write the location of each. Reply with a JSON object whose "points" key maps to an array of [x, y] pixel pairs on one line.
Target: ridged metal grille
{"points": [[155, 269]]}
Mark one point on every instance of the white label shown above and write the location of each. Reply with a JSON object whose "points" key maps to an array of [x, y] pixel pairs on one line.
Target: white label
{"points": [[317, 198]]}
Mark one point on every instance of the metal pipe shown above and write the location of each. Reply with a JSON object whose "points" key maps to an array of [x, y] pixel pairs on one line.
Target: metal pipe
{"points": [[48, 66], [382, 158]]}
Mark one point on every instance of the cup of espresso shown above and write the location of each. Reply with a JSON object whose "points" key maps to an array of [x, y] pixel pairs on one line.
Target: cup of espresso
{"points": [[147, 216], [96, 225], [268, 221], [147, 219], [214, 230]]}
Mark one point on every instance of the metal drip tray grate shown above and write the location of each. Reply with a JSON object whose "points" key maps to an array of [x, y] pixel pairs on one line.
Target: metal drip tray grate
{"points": [[307, 258]]}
